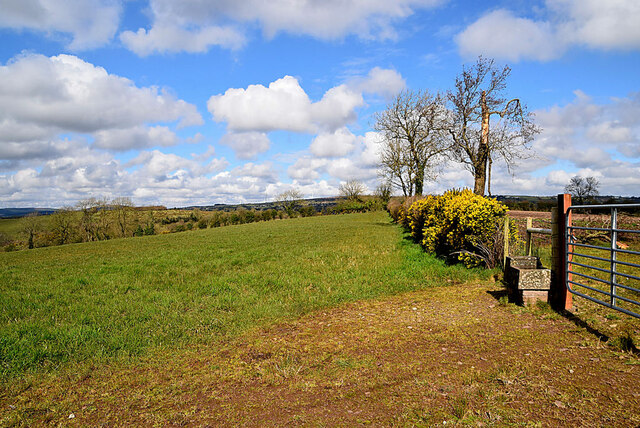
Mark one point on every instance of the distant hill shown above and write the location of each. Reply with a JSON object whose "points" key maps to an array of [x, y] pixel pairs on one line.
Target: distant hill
{"points": [[21, 212]]}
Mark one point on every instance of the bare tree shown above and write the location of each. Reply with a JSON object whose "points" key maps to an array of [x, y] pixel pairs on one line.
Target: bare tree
{"points": [[352, 190], [62, 224], [583, 188], [122, 207], [290, 201], [412, 129], [94, 222], [383, 192], [30, 227], [476, 140]]}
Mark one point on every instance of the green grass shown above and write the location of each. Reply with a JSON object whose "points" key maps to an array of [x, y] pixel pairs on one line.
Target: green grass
{"points": [[10, 226], [121, 298]]}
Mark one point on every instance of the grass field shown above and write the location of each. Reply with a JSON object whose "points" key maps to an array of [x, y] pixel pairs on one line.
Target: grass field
{"points": [[319, 321], [120, 298]]}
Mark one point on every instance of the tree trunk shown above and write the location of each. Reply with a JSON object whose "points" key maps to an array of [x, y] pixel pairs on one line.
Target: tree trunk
{"points": [[419, 181], [483, 149], [489, 175]]}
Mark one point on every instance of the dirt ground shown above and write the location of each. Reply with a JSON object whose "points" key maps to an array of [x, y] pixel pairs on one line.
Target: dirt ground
{"points": [[455, 355]]}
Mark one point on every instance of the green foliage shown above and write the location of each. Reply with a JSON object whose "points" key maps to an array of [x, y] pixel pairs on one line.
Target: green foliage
{"points": [[139, 231], [458, 223]]}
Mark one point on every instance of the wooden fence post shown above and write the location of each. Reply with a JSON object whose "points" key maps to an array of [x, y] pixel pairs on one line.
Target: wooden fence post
{"points": [[528, 248], [561, 298], [505, 233]]}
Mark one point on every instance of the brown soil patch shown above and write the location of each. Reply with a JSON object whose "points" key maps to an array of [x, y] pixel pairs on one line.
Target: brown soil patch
{"points": [[450, 355], [532, 214]]}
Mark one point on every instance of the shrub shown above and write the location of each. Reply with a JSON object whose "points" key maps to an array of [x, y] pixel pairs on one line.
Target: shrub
{"points": [[394, 206], [459, 223], [139, 231]]}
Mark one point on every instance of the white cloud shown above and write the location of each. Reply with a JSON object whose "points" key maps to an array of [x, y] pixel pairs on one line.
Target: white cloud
{"points": [[581, 138], [91, 23], [169, 38], [307, 169], [284, 105], [386, 82], [371, 146], [138, 137], [263, 172], [247, 145], [43, 98], [69, 94], [331, 145], [336, 108], [194, 26], [499, 34], [611, 24], [605, 25], [346, 169], [610, 132]]}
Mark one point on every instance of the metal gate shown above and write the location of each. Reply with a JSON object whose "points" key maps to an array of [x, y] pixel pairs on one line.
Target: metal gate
{"points": [[605, 274]]}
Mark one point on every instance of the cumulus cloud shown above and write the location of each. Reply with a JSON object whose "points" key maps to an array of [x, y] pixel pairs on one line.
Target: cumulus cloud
{"points": [[170, 38], [284, 105], [152, 177], [264, 172], [138, 137], [610, 25], [281, 105], [195, 26], [386, 82], [247, 145], [42, 98], [67, 93], [500, 34], [91, 23], [336, 144]]}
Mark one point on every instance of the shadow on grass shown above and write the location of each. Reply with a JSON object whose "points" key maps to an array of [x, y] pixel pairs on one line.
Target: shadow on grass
{"points": [[583, 324], [503, 293], [499, 294], [623, 343]]}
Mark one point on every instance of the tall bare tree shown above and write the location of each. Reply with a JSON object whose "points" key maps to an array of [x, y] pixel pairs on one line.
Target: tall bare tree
{"points": [[122, 208], [31, 225], [583, 188], [411, 127], [476, 139]]}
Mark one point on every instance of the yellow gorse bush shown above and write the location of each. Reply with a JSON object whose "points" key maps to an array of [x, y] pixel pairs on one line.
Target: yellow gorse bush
{"points": [[458, 222]]}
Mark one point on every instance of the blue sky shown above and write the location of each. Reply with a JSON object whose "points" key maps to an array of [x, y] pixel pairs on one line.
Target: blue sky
{"points": [[202, 102]]}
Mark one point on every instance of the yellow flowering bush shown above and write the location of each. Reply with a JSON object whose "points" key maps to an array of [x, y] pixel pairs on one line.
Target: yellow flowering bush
{"points": [[459, 223], [417, 214]]}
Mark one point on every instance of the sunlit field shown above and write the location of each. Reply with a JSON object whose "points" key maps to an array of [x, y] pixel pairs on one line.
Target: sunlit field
{"points": [[120, 298]]}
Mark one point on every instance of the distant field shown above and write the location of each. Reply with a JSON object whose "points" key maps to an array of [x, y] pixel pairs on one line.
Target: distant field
{"points": [[120, 298], [10, 226]]}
